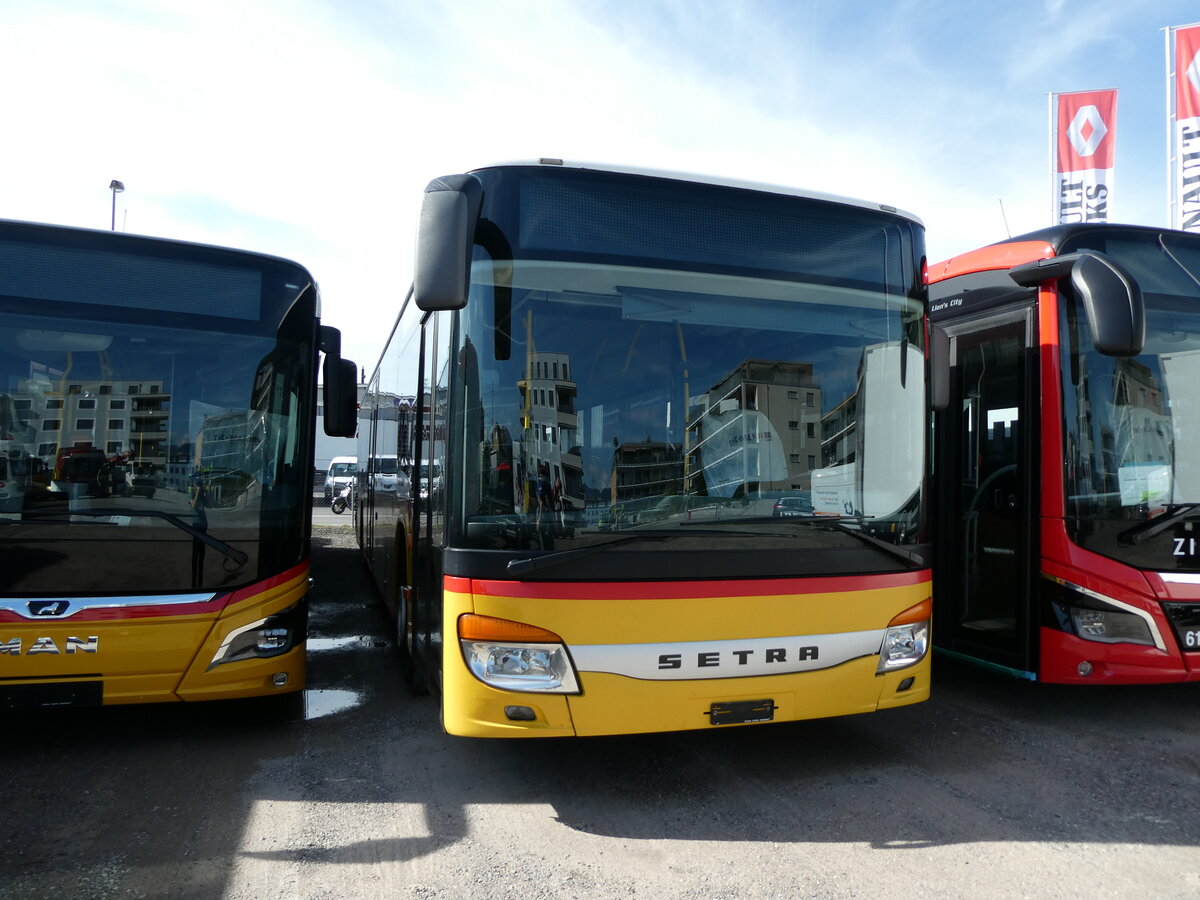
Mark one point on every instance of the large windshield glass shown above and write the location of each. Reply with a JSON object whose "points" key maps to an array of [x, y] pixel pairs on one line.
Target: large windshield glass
{"points": [[158, 451], [1133, 425], [745, 365]]}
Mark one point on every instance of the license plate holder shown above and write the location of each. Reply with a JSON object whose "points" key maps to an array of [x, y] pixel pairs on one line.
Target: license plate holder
{"points": [[42, 695], [741, 712]]}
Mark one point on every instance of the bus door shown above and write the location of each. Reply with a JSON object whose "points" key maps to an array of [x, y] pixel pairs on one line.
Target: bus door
{"points": [[367, 515], [988, 518], [428, 543]]}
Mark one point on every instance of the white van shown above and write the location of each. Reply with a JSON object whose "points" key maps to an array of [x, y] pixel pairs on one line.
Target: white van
{"points": [[14, 479], [436, 479], [342, 471], [384, 470]]}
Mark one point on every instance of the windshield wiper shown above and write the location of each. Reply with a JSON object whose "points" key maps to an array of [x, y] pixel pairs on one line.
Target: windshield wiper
{"points": [[914, 559], [533, 563], [1143, 531], [559, 557], [550, 560], [220, 546]]}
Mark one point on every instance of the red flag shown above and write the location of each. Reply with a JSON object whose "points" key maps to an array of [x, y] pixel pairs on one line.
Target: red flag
{"points": [[1185, 177], [1085, 150], [1187, 72], [1087, 130]]}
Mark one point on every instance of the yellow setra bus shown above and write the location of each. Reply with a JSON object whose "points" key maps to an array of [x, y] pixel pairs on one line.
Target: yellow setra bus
{"points": [[660, 454]]}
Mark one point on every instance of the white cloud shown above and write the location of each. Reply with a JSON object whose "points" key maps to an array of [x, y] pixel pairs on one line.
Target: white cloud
{"points": [[309, 129]]}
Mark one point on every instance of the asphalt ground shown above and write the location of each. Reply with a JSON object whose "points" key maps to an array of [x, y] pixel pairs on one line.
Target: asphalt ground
{"points": [[993, 788]]}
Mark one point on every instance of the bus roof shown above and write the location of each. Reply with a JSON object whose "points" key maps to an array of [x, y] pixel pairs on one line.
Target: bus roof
{"points": [[118, 237], [1045, 243], [108, 241], [716, 180], [1002, 256]]}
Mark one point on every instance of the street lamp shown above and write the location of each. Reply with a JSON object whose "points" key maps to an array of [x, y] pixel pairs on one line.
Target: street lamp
{"points": [[116, 187]]}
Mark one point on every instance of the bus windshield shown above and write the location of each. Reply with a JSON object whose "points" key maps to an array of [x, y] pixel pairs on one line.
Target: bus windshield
{"points": [[756, 375], [159, 454], [1133, 425]]}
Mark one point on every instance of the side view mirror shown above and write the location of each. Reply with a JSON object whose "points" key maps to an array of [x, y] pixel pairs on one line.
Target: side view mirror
{"points": [[1116, 312], [445, 236], [1112, 298], [340, 380], [939, 368]]}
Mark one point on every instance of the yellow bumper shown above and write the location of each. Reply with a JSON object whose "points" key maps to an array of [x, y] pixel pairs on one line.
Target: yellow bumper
{"points": [[614, 703], [125, 657]]}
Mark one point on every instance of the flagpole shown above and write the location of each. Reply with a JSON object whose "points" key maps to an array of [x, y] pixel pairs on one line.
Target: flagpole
{"points": [[1170, 132], [1050, 159]]}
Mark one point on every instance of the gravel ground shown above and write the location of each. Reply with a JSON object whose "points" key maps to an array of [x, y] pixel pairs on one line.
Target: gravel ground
{"points": [[994, 788]]}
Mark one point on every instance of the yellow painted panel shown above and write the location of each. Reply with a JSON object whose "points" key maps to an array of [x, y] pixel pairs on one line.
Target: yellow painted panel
{"points": [[615, 704], [125, 647], [651, 619], [154, 658], [250, 677]]}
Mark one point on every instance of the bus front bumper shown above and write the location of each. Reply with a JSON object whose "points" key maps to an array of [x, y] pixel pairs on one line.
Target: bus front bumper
{"points": [[614, 704], [249, 644]]}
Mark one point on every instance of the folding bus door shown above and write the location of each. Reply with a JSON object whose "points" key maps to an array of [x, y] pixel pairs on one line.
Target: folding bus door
{"points": [[987, 515]]}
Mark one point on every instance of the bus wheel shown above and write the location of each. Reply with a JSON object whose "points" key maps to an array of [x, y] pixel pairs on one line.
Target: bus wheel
{"points": [[412, 664]]}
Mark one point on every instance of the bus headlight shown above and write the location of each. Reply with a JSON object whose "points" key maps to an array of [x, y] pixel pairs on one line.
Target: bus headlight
{"points": [[1110, 627], [272, 636], [1092, 616], [906, 640], [513, 656]]}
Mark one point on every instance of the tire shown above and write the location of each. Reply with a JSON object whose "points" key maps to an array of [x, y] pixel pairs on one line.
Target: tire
{"points": [[413, 671], [338, 506]]}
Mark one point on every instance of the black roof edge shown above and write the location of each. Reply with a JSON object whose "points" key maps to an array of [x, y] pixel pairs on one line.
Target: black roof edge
{"points": [[1058, 235]]}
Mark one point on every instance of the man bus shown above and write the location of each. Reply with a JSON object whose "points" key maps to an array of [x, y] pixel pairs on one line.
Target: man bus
{"points": [[144, 374], [613, 376], [1068, 459]]}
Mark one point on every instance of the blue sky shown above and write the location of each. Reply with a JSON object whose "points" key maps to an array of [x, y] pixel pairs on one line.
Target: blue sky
{"points": [[309, 128]]}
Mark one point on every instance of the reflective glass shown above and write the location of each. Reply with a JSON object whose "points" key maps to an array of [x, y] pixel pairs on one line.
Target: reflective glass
{"points": [[155, 449], [765, 385], [1133, 424]]}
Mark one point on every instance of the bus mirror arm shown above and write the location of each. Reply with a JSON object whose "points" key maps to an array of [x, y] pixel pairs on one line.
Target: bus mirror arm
{"points": [[330, 340], [939, 368], [1112, 299], [1032, 274], [445, 238]]}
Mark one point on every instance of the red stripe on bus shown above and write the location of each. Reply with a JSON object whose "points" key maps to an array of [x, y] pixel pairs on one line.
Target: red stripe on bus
{"points": [[670, 590], [274, 581], [134, 611]]}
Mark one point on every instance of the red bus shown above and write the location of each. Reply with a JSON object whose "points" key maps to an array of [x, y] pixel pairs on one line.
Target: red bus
{"points": [[1068, 458]]}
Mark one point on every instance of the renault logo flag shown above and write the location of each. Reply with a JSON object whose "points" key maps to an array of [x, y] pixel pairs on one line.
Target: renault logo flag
{"points": [[1083, 128], [1185, 131]]}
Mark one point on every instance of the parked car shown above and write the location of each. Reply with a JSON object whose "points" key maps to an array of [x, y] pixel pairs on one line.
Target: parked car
{"points": [[143, 482], [794, 505], [342, 471]]}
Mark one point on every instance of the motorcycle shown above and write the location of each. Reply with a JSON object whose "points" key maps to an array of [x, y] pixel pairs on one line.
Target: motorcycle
{"points": [[343, 499]]}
